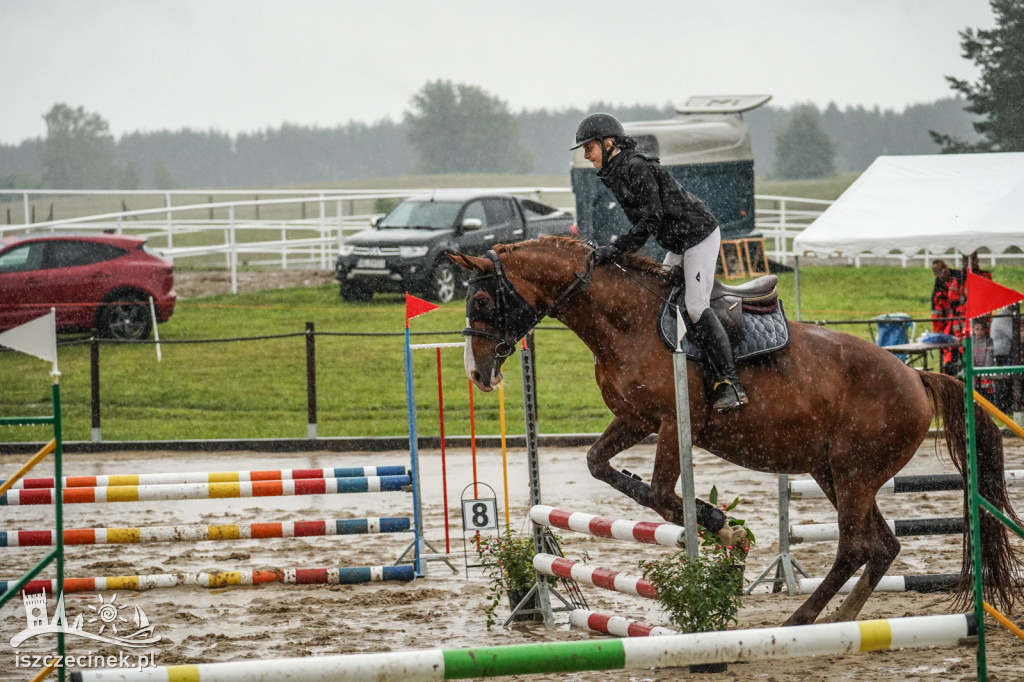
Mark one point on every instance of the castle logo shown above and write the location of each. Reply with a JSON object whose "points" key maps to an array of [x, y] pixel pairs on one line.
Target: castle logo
{"points": [[108, 614]]}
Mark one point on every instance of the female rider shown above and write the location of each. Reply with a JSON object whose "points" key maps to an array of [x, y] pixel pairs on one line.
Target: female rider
{"points": [[657, 205]]}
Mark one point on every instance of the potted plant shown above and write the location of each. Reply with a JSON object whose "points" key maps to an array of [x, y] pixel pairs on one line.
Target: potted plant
{"points": [[507, 560], [703, 594]]}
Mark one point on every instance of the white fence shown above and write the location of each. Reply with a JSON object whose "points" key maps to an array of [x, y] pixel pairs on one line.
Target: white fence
{"points": [[780, 219], [277, 232], [231, 232]]}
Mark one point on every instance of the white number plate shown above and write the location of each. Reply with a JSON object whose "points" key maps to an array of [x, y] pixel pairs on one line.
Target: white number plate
{"points": [[372, 263], [479, 514]]}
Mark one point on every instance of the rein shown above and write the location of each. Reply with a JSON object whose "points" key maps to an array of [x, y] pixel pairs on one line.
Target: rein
{"points": [[512, 315], [641, 284]]}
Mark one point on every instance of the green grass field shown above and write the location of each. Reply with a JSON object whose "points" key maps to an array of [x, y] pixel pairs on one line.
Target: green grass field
{"points": [[257, 389]]}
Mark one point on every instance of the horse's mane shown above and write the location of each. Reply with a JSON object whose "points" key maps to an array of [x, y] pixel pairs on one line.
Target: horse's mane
{"points": [[631, 260]]}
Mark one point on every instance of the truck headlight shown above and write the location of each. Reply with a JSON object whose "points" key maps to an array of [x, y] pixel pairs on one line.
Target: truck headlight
{"points": [[346, 250], [412, 251]]}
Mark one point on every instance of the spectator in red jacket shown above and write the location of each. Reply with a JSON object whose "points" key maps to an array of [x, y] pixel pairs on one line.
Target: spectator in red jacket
{"points": [[948, 301]]}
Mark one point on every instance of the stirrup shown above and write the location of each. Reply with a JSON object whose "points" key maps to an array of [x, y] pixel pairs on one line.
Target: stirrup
{"points": [[729, 396]]}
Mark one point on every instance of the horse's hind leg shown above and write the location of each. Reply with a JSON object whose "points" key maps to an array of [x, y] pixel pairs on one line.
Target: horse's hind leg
{"points": [[881, 552], [857, 533]]}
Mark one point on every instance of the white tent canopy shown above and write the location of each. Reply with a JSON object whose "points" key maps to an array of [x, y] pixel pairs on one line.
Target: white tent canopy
{"points": [[936, 202]]}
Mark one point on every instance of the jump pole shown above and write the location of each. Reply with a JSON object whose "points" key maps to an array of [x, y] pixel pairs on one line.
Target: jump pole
{"points": [[917, 483], [664, 534], [565, 657], [685, 439], [616, 626], [414, 307], [204, 491], [504, 450], [294, 576], [444, 464], [200, 532], [178, 478], [472, 438], [440, 401], [528, 363]]}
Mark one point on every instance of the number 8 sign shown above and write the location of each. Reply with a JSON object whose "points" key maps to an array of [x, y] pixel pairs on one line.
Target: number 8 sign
{"points": [[479, 514]]}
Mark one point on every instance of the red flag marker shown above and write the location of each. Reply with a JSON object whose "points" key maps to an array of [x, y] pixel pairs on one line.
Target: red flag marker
{"points": [[984, 296], [416, 306]]}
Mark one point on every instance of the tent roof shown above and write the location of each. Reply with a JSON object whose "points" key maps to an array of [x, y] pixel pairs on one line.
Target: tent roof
{"points": [[936, 202]]}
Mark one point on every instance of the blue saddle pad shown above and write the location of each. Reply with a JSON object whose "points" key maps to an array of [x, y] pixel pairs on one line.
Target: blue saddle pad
{"points": [[762, 334]]}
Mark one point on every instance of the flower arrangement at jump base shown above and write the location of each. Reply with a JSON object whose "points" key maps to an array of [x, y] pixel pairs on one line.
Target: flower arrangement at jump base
{"points": [[507, 560], [703, 594]]}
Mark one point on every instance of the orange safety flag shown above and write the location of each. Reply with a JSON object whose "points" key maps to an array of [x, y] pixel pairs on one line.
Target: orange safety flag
{"points": [[984, 296], [416, 306]]}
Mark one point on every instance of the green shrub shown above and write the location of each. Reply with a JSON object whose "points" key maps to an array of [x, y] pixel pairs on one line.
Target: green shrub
{"points": [[703, 594]]}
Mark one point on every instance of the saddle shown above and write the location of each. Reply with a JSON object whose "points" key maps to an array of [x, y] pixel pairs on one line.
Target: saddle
{"points": [[751, 313]]}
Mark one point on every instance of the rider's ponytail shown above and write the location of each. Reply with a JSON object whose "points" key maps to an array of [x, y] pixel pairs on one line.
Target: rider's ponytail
{"points": [[625, 142]]}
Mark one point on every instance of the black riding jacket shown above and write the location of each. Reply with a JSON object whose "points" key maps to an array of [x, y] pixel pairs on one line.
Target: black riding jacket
{"points": [[655, 203]]}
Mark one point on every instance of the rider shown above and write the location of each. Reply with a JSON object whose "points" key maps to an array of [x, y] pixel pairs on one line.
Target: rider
{"points": [[656, 204]]}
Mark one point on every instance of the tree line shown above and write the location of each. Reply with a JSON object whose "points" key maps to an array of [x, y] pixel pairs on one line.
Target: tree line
{"points": [[79, 152]]}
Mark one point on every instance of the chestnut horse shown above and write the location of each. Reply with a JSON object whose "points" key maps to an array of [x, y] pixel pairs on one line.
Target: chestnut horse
{"points": [[830, 404]]}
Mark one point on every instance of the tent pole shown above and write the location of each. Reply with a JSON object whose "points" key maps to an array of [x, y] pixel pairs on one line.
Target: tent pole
{"points": [[796, 283]]}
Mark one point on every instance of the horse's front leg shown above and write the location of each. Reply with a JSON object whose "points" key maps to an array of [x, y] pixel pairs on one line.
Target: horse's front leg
{"points": [[617, 437], [663, 485]]}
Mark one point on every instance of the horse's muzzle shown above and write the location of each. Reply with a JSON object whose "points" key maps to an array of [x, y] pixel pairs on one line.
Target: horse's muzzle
{"points": [[485, 384]]}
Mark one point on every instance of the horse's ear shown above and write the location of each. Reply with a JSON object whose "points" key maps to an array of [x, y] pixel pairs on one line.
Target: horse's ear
{"points": [[469, 262]]}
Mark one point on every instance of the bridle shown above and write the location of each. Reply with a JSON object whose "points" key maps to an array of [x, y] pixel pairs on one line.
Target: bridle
{"points": [[511, 317]]}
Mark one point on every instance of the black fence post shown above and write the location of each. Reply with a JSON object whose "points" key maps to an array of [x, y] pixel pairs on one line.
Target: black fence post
{"points": [[310, 381], [94, 373]]}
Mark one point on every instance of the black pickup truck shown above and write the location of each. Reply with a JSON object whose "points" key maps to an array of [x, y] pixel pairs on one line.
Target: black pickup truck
{"points": [[403, 251]]}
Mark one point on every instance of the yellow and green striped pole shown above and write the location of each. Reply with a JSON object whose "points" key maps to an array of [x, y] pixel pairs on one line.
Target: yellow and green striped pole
{"points": [[566, 657]]}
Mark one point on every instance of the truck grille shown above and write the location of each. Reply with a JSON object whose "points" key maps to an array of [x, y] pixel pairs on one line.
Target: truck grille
{"points": [[375, 251]]}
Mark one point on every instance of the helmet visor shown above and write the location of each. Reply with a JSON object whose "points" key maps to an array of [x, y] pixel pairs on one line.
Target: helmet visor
{"points": [[583, 142]]}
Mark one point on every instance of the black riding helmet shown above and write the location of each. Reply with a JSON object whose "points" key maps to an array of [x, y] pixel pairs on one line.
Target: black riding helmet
{"points": [[598, 127]]}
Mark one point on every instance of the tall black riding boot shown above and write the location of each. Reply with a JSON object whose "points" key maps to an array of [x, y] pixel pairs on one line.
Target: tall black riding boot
{"points": [[727, 392]]}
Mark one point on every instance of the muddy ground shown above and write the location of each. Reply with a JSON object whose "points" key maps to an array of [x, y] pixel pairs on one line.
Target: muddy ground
{"points": [[446, 609], [201, 283]]}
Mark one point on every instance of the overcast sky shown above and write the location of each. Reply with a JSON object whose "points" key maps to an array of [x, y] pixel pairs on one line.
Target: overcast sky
{"points": [[242, 65]]}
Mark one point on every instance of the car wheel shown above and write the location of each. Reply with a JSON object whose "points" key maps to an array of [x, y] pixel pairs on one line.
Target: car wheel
{"points": [[442, 283], [355, 292], [125, 316]]}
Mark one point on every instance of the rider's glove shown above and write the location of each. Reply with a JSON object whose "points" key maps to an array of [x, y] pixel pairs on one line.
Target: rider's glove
{"points": [[604, 254]]}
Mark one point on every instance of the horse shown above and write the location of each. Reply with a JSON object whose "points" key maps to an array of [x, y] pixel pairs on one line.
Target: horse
{"points": [[829, 404]]}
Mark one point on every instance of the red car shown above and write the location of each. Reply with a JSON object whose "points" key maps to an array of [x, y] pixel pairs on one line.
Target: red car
{"points": [[95, 281]]}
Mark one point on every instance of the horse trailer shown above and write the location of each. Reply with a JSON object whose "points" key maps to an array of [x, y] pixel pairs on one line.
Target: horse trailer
{"points": [[706, 148]]}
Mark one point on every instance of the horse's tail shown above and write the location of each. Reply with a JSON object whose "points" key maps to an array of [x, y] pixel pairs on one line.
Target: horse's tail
{"points": [[1001, 562]]}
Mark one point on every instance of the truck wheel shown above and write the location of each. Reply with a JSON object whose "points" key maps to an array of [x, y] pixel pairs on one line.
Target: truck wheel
{"points": [[442, 283], [355, 292]]}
